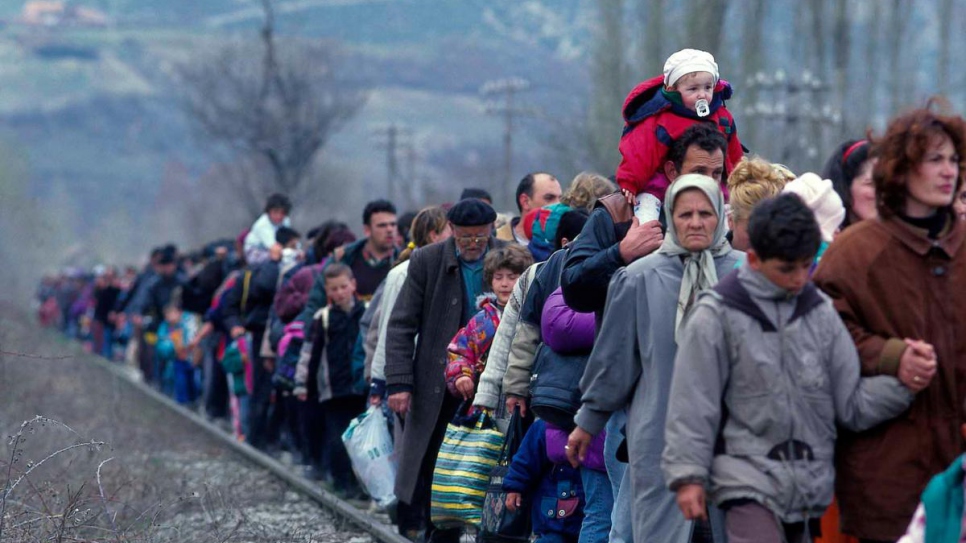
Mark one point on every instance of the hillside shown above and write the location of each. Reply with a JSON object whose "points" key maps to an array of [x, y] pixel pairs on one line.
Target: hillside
{"points": [[95, 112]]}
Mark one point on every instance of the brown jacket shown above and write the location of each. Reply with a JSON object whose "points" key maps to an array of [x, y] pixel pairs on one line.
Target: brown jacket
{"points": [[888, 282], [430, 306], [505, 232]]}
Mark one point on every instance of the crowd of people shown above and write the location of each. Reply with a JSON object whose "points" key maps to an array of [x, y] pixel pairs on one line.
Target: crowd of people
{"points": [[713, 348]]}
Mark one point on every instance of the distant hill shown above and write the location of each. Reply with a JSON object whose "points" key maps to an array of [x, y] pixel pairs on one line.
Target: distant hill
{"points": [[96, 110]]}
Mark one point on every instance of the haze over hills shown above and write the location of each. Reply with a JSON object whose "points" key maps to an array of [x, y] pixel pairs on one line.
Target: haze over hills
{"points": [[94, 112]]}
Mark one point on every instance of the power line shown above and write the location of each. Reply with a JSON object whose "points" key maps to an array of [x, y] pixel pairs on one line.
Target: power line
{"points": [[506, 91], [794, 104], [392, 138]]}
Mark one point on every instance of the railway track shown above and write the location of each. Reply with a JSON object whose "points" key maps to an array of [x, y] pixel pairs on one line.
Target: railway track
{"points": [[203, 484], [379, 530]]}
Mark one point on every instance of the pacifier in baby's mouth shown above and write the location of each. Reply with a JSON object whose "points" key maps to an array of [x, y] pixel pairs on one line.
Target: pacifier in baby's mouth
{"points": [[701, 108]]}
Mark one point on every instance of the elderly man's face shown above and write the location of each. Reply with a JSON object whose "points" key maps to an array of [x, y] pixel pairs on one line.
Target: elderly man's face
{"points": [[471, 241], [697, 160]]}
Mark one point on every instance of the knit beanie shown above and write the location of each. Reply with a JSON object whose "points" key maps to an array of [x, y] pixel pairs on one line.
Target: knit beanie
{"points": [[540, 225], [821, 198], [688, 61]]}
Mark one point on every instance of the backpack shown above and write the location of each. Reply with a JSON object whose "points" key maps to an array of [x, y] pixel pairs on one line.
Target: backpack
{"points": [[289, 348], [233, 361], [218, 304], [554, 386]]}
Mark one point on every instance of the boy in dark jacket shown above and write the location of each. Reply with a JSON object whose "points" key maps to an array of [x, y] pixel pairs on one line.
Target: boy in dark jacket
{"points": [[332, 358]]}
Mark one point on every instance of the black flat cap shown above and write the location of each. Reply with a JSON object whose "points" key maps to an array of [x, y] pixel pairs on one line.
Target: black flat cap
{"points": [[471, 212]]}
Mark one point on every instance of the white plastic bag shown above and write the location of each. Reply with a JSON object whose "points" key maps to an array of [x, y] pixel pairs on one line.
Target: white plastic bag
{"points": [[369, 445]]}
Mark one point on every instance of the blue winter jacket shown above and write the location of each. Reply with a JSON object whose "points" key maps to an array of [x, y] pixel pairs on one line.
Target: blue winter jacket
{"points": [[549, 488]]}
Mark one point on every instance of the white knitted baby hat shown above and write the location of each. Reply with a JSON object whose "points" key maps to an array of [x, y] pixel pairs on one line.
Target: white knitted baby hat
{"points": [[688, 61]]}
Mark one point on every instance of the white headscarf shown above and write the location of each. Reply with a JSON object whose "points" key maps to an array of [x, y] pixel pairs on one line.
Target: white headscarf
{"points": [[699, 270]]}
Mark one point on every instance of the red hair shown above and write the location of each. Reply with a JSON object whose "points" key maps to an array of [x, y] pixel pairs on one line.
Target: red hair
{"points": [[900, 151]]}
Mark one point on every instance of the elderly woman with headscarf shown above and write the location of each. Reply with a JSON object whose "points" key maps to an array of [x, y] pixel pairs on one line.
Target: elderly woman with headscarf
{"points": [[633, 359]]}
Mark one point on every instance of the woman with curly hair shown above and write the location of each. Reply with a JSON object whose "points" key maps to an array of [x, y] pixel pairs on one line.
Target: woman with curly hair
{"points": [[586, 189], [897, 282], [752, 180]]}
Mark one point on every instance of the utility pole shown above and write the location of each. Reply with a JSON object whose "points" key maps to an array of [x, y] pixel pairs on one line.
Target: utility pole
{"points": [[506, 89], [801, 109], [392, 138], [391, 161], [414, 192]]}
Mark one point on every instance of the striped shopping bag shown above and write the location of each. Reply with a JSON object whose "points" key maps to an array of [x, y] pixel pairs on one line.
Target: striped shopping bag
{"points": [[470, 449]]}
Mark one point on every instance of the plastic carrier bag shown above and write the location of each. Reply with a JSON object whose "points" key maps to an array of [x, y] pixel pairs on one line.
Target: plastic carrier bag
{"points": [[470, 450], [369, 445]]}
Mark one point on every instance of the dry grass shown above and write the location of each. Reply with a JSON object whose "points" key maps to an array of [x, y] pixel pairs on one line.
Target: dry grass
{"points": [[106, 464]]}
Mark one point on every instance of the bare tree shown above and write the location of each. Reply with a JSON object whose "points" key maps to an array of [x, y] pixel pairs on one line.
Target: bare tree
{"points": [[651, 49], [842, 47], [897, 41], [752, 62], [274, 104], [705, 24], [609, 86], [871, 54], [946, 18]]}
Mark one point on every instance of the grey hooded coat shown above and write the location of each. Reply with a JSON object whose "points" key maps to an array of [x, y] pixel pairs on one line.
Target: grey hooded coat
{"points": [[631, 366], [761, 379]]}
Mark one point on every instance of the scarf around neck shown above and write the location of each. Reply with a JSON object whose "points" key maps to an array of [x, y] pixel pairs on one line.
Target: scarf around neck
{"points": [[699, 270]]}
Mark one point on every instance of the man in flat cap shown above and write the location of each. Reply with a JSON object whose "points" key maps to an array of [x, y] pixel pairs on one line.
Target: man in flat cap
{"points": [[437, 299]]}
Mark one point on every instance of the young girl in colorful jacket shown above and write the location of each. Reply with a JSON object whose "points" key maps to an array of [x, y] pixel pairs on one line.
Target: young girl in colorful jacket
{"points": [[469, 348]]}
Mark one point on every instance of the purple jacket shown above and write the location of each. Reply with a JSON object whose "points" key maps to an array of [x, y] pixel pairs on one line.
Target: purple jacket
{"points": [[565, 330], [557, 439]]}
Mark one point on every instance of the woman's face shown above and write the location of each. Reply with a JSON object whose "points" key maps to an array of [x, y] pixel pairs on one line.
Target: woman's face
{"points": [[694, 220], [739, 233], [932, 183], [441, 236], [959, 204], [863, 192]]}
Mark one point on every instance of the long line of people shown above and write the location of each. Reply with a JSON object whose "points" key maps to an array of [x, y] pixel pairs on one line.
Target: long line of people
{"points": [[658, 356]]}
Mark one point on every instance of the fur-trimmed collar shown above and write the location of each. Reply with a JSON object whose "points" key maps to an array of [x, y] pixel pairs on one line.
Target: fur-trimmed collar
{"points": [[487, 298]]}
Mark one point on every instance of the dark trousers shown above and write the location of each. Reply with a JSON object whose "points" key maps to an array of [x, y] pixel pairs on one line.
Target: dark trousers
{"points": [[339, 412], [146, 358], [312, 427], [261, 400], [214, 381], [184, 381], [748, 521], [415, 514], [102, 336], [289, 412]]}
